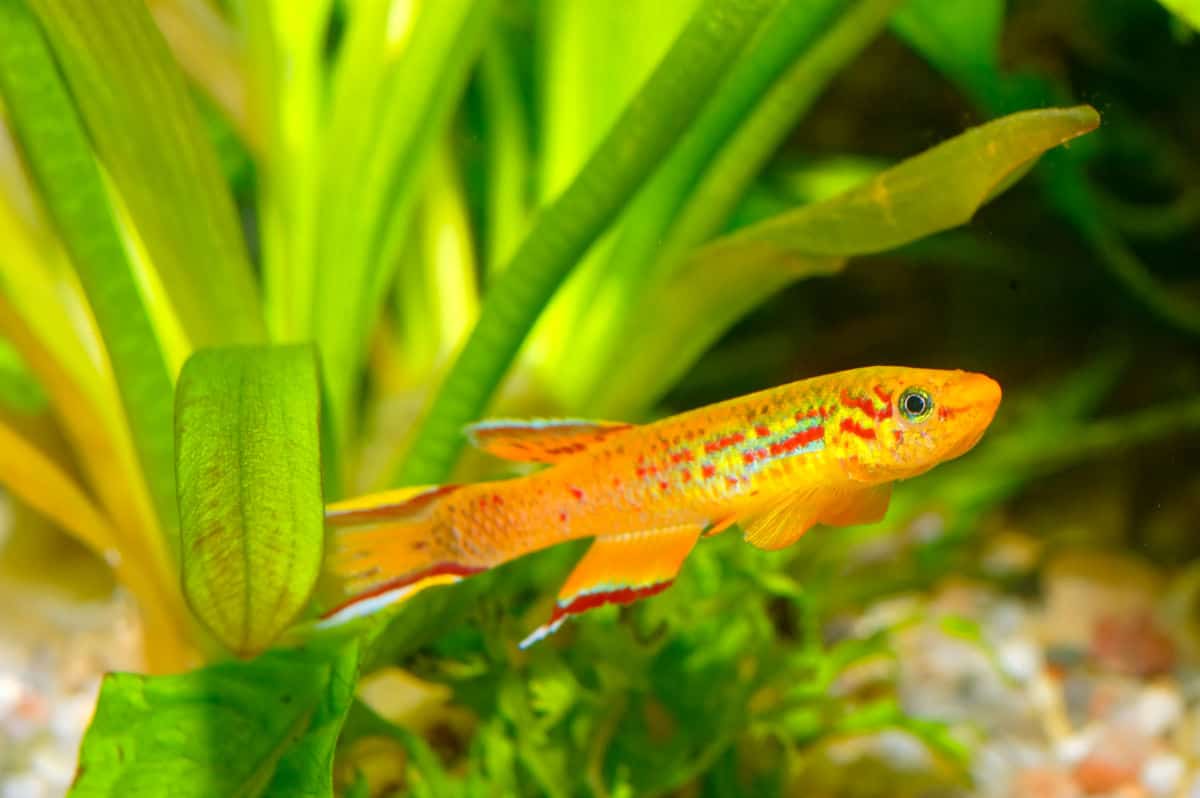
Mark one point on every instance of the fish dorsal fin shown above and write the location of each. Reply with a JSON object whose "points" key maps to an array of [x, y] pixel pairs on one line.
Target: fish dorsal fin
{"points": [[781, 524], [540, 440], [618, 569]]}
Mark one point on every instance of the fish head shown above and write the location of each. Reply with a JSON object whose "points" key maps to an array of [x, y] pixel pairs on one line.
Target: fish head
{"points": [[897, 422]]}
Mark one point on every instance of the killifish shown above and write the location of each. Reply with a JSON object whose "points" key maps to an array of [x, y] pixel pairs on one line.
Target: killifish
{"points": [[820, 451]]}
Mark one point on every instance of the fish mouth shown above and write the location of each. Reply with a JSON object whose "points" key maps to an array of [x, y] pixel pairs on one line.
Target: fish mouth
{"points": [[980, 396]]}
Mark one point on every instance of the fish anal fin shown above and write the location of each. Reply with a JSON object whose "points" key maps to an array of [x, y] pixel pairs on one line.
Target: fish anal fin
{"points": [[540, 440], [619, 569], [862, 506]]}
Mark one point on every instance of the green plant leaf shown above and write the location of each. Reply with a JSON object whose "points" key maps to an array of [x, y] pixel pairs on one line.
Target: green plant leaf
{"points": [[717, 284], [579, 341], [19, 390], [377, 164], [1186, 10], [151, 140], [237, 729], [59, 156], [249, 471], [650, 126]]}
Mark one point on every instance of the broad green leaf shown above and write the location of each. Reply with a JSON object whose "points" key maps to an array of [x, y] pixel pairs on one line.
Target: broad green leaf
{"points": [[249, 472], [152, 143], [60, 158], [236, 729], [717, 284], [650, 126]]}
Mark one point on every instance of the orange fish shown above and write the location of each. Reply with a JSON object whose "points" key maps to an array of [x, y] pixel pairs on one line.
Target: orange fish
{"points": [[819, 451]]}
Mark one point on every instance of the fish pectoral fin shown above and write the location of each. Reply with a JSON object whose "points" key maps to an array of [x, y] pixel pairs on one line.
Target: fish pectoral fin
{"points": [[619, 569], [862, 506], [781, 524], [540, 440]]}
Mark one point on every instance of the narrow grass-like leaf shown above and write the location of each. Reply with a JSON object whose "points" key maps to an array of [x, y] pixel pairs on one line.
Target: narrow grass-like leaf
{"points": [[19, 390], [249, 471], [152, 143], [654, 121], [750, 93], [933, 191], [1186, 10], [34, 477], [286, 54], [60, 158], [370, 189], [210, 52], [237, 729]]}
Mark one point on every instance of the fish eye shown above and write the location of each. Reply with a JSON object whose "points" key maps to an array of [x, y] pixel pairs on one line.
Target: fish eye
{"points": [[915, 404]]}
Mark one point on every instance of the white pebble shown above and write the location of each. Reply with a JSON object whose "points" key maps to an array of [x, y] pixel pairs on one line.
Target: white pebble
{"points": [[1020, 659], [1162, 774], [1155, 711], [23, 785], [71, 715], [1073, 749], [10, 693]]}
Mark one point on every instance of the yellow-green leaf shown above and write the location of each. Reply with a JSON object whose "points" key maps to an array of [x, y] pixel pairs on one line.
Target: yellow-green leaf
{"points": [[720, 282], [150, 138], [249, 474]]}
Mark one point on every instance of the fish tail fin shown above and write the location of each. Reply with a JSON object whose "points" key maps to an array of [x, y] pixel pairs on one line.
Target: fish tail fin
{"points": [[383, 551]]}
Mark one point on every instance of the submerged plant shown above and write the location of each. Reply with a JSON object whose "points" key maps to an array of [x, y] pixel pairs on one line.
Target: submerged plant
{"points": [[460, 230]]}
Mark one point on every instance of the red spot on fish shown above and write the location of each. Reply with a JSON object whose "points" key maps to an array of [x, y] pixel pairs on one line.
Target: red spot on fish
{"points": [[731, 480], [763, 431], [899, 434], [624, 595], [853, 427], [576, 492], [802, 415], [663, 485], [562, 517], [798, 441], [866, 406], [708, 470], [884, 396], [483, 501], [496, 500], [616, 482], [687, 476], [948, 412], [712, 447], [641, 472]]}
